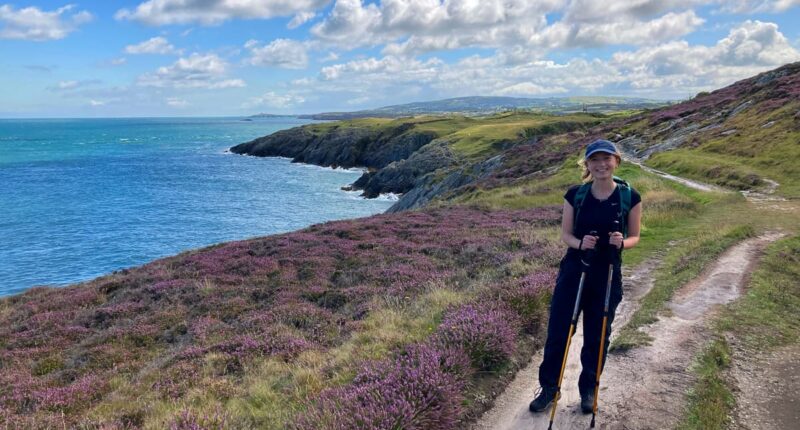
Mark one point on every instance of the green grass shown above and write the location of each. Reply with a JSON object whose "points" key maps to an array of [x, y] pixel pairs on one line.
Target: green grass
{"points": [[475, 138], [711, 399], [756, 145], [765, 318], [487, 135], [767, 315], [536, 192]]}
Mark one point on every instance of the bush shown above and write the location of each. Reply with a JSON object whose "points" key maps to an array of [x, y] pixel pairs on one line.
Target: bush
{"points": [[528, 297], [417, 390], [487, 332], [189, 420]]}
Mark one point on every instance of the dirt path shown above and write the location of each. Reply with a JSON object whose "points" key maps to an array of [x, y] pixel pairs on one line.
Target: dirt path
{"points": [[649, 383], [767, 389], [688, 182]]}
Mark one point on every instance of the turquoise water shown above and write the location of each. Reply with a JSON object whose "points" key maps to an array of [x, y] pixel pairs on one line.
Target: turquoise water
{"points": [[83, 197]]}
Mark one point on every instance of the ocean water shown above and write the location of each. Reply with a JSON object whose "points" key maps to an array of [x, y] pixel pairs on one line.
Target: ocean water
{"points": [[82, 197]]}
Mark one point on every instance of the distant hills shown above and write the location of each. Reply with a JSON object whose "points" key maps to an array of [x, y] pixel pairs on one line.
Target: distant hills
{"points": [[478, 105]]}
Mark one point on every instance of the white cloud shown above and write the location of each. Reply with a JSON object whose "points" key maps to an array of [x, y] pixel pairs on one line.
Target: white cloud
{"points": [[672, 69], [300, 19], [387, 68], [348, 23], [211, 12], [782, 5], [432, 24], [196, 71], [751, 6], [593, 11], [286, 53], [68, 86], [32, 23], [302, 82], [332, 56], [411, 27], [490, 75], [155, 45], [529, 89], [95, 103], [118, 61], [274, 100], [469, 76], [623, 30], [358, 101], [750, 48], [176, 102]]}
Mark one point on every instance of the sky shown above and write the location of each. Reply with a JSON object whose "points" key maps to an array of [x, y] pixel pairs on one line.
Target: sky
{"points": [[240, 57]]}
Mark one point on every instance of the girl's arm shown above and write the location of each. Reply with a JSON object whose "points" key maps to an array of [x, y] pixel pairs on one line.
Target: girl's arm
{"points": [[567, 220], [634, 226]]}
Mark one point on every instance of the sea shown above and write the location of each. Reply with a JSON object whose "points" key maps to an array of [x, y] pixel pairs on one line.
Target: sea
{"points": [[80, 198]]}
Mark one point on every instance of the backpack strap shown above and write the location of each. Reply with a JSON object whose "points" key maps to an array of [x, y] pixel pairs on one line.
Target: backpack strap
{"points": [[580, 196], [624, 203], [624, 197]]}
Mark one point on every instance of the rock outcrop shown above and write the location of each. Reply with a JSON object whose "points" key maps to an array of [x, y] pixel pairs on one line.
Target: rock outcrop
{"points": [[340, 146], [399, 159]]}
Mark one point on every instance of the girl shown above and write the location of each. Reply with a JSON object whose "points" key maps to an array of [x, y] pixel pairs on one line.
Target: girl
{"points": [[588, 228]]}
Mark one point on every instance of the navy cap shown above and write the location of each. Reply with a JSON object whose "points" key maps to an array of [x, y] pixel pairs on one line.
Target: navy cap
{"points": [[600, 145]]}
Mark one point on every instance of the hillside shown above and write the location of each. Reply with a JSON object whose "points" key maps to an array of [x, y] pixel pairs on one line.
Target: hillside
{"points": [[415, 319], [489, 105], [742, 136]]}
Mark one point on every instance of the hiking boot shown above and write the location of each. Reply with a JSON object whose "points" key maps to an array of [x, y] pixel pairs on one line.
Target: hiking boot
{"points": [[544, 397], [587, 403]]}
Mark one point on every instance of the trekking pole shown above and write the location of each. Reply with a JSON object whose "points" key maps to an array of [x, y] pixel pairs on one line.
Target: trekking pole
{"points": [[585, 266], [615, 257]]}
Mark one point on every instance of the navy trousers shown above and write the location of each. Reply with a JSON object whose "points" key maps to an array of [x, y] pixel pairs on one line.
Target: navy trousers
{"points": [[592, 303]]}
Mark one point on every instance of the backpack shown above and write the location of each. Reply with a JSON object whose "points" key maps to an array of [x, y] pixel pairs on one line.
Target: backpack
{"points": [[624, 197]]}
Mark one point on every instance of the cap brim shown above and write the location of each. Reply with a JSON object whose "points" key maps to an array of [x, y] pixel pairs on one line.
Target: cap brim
{"points": [[586, 157]]}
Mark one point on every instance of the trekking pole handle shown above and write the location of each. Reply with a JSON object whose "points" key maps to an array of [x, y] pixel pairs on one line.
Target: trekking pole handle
{"points": [[589, 253], [617, 252]]}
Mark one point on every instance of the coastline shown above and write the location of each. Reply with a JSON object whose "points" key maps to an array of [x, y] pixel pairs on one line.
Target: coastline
{"points": [[174, 197]]}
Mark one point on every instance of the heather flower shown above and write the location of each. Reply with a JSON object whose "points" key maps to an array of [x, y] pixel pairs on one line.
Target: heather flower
{"points": [[274, 297], [80, 392], [418, 390], [529, 297], [190, 420], [487, 332]]}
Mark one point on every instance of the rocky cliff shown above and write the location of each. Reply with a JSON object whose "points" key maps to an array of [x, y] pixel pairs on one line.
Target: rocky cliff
{"points": [[340, 146], [421, 158]]}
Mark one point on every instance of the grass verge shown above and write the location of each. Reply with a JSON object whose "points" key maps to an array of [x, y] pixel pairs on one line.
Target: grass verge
{"points": [[765, 318], [710, 400]]}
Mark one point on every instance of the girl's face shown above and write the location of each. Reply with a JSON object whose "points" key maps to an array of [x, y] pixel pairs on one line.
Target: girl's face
{"points": [[602, 165]]}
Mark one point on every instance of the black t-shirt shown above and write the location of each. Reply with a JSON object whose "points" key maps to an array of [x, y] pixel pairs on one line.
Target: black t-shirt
{"points": [[598, 216]]}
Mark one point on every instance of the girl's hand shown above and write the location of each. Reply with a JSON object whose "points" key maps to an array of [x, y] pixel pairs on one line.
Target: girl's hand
{"points": [[615, 238], [588, 242]]}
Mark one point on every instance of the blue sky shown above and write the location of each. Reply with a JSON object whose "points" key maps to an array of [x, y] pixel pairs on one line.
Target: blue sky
{"points": [[225, 57]]}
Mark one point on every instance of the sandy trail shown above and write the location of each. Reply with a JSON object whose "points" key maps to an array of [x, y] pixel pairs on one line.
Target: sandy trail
{"points": [[645, 388]]}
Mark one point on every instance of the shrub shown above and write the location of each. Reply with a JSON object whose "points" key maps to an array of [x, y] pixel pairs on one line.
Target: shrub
{"points": [[417, 390], [528, 297], [190, 420], [487, 332]]}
